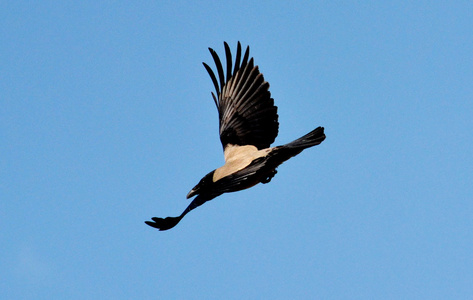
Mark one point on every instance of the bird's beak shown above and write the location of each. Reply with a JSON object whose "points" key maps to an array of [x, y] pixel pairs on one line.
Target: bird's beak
{"points": [[193, 192]]}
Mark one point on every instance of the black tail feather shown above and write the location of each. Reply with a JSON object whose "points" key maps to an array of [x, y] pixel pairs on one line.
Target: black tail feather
{"points": [[313, 138]]}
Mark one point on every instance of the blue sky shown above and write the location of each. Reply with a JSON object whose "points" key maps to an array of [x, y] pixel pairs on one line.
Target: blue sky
{"points": [[106, 120]]}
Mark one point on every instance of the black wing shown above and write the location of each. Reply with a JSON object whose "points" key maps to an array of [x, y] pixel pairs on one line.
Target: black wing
{"points": [[246, 111]]}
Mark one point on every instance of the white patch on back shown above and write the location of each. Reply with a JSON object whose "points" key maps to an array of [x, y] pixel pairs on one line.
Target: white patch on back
{"points": [[237, 158]]}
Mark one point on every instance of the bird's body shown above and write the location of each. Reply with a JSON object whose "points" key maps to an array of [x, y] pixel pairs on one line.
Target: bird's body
{"points": [[237, 158], [248, 126]]}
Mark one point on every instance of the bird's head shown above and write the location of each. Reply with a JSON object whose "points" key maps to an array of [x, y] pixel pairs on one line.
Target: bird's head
{"points": [[204, 185]]}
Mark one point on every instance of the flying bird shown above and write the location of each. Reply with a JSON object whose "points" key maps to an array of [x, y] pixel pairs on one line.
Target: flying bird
{"points": [[248, 126]]}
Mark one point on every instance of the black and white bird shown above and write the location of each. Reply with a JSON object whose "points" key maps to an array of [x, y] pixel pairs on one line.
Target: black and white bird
{"points": [[248, 126]]}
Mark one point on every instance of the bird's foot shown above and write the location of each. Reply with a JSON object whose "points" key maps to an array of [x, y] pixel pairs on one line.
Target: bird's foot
{"points": [[269, 177], [164, 223]]}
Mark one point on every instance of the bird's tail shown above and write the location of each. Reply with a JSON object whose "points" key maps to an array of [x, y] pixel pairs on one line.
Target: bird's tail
{"points": [[284, 152], [313, 138], [280, 154]]}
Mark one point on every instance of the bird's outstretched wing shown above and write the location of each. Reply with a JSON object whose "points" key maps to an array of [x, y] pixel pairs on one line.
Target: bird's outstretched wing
{"points": [[246, 110]]}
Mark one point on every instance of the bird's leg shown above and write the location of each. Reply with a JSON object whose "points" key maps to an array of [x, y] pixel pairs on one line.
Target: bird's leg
{"points": [[269, 177], [170, 222]]}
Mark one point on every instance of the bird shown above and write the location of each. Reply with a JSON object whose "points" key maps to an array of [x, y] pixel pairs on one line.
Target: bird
{"points": [[248, 125]]}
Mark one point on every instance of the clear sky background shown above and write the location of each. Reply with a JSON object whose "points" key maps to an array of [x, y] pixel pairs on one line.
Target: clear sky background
{"points": [[106, 120]]}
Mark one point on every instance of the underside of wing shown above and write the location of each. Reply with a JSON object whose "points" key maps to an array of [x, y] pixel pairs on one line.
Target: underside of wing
{"points": [[247, 113]]}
